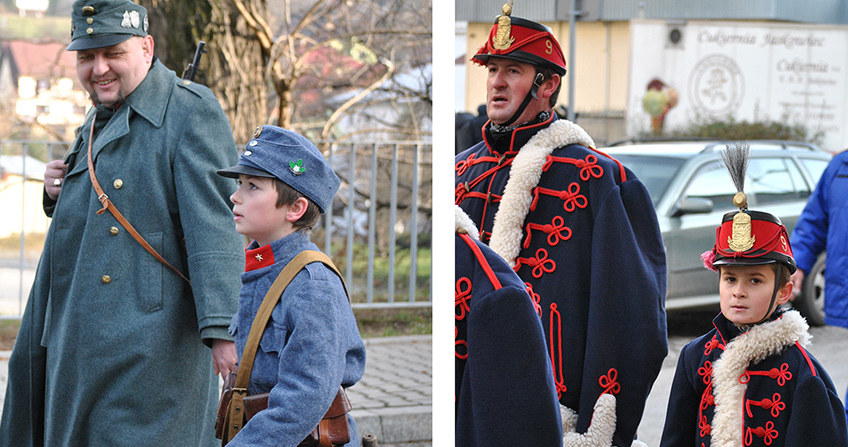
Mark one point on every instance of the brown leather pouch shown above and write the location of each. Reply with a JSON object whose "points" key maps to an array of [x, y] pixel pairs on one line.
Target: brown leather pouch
{"points": [[333, 430]]}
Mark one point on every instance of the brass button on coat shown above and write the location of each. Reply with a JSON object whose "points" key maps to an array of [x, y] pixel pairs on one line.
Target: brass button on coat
{"points": [[118, 183], [105, 279], [113, 231]]}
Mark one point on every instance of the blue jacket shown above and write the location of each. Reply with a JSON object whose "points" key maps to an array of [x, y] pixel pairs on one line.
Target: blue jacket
{"points": [[755, 388], [504, 386], [581, 231], [824, 225], [310, 346]]}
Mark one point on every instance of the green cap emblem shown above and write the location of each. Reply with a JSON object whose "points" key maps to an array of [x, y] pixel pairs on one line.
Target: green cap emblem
{"points": [[296, 168]]}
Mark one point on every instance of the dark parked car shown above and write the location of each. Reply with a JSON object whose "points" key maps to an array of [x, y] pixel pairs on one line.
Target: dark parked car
{"points": [[691, 190]]}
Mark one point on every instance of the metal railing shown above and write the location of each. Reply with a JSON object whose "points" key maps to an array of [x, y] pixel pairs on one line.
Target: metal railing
{"points": [[377, 232]]}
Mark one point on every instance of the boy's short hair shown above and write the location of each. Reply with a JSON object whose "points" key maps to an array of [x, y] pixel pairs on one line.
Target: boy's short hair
{"points": [[286, 195]]}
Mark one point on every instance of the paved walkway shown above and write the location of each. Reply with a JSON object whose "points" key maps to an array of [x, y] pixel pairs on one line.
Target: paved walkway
{"points": [[394, 398]]}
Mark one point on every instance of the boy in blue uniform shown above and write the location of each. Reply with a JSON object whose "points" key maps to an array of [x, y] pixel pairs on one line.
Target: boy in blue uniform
{"points": [[750, 381], [311, 344]]}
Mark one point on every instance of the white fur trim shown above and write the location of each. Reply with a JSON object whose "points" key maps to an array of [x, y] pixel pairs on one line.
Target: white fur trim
{"points": [[569, 418], [762, 341], [600, 429], [464, 223], [524, 175]]}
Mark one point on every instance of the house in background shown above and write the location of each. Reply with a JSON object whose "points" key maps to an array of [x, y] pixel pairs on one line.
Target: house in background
{"points": [[38, 85], [21, 189], [33, 7]]}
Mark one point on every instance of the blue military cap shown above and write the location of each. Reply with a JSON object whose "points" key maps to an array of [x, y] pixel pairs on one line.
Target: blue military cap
{"points": [[279, 153], [103, 23]]}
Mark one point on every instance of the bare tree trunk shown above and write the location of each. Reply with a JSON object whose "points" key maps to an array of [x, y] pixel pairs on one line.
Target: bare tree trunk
{"points": [[233, 65]]}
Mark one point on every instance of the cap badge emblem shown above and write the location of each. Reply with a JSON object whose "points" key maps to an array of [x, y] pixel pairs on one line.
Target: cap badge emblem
{"points": [[503, 38], [131, 19], [296, 168], [741, 238]]}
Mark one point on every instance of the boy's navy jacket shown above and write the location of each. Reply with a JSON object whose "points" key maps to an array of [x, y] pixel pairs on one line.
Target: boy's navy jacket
{"points": [[505, 393], [581, 231], [755, 388], [310, 346]]}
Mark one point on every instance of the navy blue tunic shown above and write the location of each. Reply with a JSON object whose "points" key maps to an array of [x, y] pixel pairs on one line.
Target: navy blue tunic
{"points": [[781, 397], [590, 250], [505, 391]]}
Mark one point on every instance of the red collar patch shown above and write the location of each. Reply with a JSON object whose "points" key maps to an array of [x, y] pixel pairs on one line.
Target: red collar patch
{"points": [[258, 258]]}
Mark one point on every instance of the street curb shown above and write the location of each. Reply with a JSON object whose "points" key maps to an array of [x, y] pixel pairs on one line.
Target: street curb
{"points": [[397, 339], [396, 425]]}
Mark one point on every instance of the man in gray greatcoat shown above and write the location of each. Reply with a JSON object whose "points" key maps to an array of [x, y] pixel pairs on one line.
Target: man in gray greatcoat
{"points": [[114, 347]]}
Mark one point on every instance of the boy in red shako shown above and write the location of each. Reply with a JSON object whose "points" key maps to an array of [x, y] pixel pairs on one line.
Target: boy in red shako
{"points": [[750, 381]]}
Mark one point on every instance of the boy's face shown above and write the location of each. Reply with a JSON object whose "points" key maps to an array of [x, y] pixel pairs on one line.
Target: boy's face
{"points": [[255, 210], [746, 292]]}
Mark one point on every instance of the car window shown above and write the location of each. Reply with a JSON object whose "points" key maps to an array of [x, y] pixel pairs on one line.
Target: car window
{"points": [[815, 167], [775, 180], [711, 181], [654, 172]]}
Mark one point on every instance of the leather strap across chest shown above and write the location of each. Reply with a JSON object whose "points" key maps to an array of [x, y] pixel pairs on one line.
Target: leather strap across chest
{"points": [[108, 205]]}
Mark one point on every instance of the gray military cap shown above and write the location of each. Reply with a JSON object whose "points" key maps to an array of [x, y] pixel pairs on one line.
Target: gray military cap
{"points": [[103, 23], [279, 153]]}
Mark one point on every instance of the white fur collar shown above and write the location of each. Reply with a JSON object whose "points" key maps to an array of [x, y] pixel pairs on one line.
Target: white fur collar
{"points": [[524, 175], [762, 341], [465, 224]]}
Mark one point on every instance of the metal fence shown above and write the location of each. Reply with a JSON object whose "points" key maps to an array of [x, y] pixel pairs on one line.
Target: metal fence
{"points": [[377, 232]]}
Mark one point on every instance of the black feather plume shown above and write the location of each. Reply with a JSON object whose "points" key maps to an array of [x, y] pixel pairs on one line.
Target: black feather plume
{"points": [[735, 158]]}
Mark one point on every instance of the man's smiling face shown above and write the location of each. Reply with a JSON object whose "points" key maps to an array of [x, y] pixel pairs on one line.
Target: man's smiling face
{"points": [[110, 74]]}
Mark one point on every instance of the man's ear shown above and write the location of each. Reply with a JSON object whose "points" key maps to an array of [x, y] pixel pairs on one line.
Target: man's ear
{"points": [[147, 47], [549, 86], [297, 209], [784, 293]]}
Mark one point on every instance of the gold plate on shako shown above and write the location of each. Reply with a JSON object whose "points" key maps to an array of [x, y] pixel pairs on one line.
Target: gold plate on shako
{"points": [[741, 238], [503, 36]]}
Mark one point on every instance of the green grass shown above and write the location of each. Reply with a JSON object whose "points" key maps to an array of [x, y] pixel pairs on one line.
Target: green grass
{"points": [[8, 333], [393, 322], [372, 323], [57, 29]]}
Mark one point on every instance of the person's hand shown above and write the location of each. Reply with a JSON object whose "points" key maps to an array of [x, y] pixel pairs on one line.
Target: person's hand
{"points": [[54, 177], [224, 357], [797, 279]]}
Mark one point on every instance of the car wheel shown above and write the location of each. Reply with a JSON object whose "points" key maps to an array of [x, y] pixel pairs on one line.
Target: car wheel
{"points": [[811, 301]]}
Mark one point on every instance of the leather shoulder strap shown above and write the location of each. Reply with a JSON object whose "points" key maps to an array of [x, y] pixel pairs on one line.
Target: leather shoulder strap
{"points": [[269, 302], [108, 205]]}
